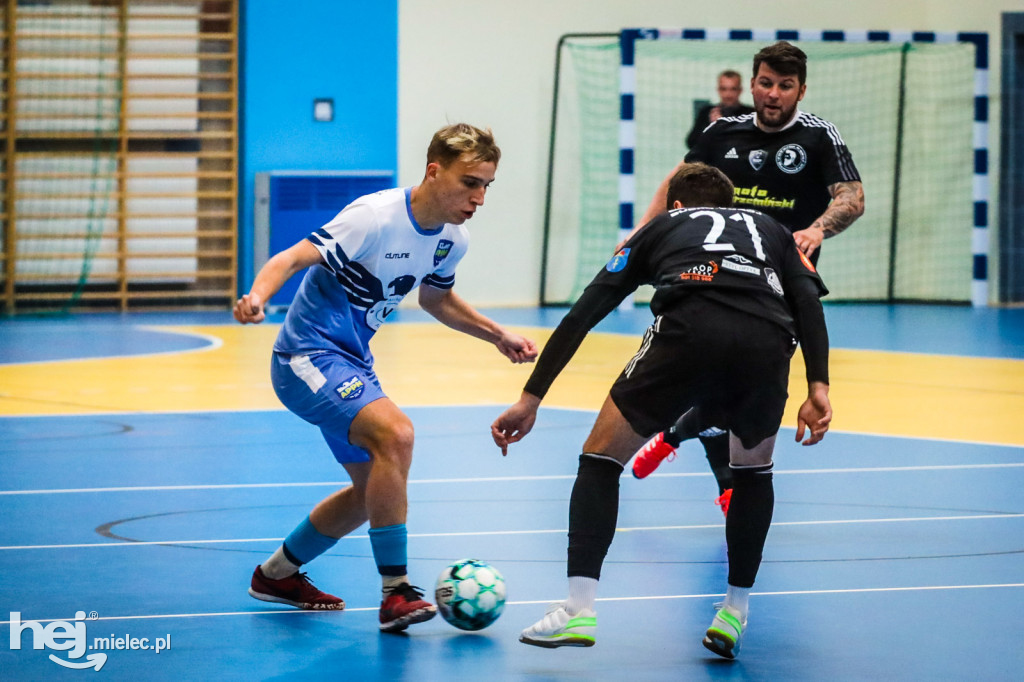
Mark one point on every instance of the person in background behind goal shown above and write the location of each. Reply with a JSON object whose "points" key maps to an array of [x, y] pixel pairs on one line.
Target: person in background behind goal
{"points": [[364, 262], [732, 296], [787, 163], [730, 87]]}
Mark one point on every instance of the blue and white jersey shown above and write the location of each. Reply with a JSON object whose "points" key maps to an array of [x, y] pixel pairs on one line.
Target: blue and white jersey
{"points": [[374, 253]]}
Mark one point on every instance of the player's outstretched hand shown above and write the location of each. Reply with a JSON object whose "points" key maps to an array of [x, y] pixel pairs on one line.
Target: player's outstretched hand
{"points": [[515, 422], [249, 309], [815, 414], [517, 348]]}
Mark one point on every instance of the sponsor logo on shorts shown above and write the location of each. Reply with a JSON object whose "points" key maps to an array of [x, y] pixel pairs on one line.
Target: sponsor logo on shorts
{"points": [[351, 388], [791, 159], [618, 261]]}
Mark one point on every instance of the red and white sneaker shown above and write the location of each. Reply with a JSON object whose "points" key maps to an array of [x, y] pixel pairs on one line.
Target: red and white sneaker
{"points": [[403, 606], [296, 590], [651, 456], [723, 502]]}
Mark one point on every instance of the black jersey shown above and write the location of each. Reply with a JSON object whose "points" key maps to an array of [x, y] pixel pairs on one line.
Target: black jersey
{"points": [[785, 174], [703, 119], [739, 258]]}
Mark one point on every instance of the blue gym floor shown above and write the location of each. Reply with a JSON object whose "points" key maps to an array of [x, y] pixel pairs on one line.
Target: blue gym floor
{"points": [[890, 557]]}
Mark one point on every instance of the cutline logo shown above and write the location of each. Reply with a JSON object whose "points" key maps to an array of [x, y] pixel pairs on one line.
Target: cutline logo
{"points": [[67, 636]]}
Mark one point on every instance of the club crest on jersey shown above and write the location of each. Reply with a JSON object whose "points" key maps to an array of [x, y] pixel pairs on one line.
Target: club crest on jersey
{"points": [[351, 388], [756, 158], [444, 247], [774, 281], [791, 159], [618, 261]]}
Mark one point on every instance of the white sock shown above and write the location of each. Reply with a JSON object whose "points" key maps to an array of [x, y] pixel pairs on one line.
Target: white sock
{"points": [[582, 594], [278, 566], [738, 598], [389, 581]]}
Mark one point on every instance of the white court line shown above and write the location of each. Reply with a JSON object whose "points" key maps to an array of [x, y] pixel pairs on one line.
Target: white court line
{"points": [[213, 343], [146, 543], [493, 479], [784, 593]]}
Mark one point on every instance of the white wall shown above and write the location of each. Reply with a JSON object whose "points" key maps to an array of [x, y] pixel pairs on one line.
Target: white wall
{"points": [[492, 64]]}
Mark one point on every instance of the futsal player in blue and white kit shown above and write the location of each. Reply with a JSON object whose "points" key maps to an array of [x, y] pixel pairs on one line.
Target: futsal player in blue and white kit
{"points": [[362, 264]]}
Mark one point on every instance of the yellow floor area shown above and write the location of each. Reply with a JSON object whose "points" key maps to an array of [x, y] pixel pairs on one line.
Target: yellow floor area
{"points": [[898, 394]]}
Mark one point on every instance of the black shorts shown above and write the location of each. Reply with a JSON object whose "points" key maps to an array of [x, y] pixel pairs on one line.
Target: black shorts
{"points": [[734, 365]]}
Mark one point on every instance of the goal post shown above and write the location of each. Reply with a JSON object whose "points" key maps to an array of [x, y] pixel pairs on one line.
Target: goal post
{"points": [[912, 107]]}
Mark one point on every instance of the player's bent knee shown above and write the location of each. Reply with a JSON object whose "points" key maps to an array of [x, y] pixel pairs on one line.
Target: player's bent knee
{"points": [[758, 455], [386, 436]]}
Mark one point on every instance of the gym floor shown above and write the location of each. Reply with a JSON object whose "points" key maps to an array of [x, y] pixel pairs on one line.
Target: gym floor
{"points": [[148, 468]]}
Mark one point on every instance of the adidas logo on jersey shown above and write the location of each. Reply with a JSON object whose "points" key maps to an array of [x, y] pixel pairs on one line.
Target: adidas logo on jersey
{"points": [[731, 154]]}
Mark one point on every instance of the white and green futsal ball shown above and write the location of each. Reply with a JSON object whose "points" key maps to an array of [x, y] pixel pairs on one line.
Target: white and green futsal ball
{"points": [[470, 594]]}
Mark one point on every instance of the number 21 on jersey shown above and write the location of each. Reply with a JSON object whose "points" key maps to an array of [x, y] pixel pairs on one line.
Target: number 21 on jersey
{"points": [[711, 242]]}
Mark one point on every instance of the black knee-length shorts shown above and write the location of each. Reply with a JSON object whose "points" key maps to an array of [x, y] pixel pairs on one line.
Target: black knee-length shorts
{"points": [[732, 364]]}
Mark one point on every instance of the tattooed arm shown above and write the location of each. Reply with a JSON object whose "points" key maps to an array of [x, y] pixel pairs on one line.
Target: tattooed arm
{"points": [[847, 205]]}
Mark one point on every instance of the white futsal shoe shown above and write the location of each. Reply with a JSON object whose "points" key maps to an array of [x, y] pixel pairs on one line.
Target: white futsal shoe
{"points": [[557, 628]]}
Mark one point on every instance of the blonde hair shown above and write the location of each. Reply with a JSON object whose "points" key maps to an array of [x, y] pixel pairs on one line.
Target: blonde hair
{"points": [[451, 142]]}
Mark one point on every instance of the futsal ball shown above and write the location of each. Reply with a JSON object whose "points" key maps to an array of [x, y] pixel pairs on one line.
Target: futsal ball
{"points": [[470, 594]]}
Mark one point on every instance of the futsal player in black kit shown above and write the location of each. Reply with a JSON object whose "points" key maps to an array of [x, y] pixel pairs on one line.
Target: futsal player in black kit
{"points": [[787, 163], [733, 295]]}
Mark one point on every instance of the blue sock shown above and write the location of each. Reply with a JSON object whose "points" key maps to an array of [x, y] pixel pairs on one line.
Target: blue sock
{"points": [[306, 543], [389, 545]]}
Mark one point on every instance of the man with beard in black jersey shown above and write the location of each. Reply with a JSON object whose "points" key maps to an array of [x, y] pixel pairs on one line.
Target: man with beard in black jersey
{"points": [[787, 163], [733, 294]]}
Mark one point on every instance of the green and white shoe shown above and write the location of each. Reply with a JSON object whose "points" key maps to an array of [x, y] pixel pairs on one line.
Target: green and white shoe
{"points": [[723, 637], [557, 628]]}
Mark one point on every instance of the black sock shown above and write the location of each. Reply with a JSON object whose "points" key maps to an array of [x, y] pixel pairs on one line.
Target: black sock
{"points": [[685, 428], [593, 512], [746, 526], [717, 450]]}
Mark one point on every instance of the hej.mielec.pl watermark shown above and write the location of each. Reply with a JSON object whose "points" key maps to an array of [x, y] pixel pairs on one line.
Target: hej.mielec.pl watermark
{"points": [[61, 635]]}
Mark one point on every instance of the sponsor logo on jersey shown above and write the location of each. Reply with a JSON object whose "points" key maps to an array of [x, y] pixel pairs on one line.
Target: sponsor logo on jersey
{"points": [[736, 267], [774, 281], [705, 272], [351, 388], [731, 154], [758, 198], [396, 256], [806, 261], [738, 258], [618, 261], [756, 158], [444, 247], [791, 159]]}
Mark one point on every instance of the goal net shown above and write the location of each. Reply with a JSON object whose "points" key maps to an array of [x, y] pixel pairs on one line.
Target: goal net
{"points": [[906, 110]]}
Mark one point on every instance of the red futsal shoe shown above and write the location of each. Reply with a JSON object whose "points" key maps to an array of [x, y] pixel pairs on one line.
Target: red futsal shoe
{"points": [[296, 590], [651, 456]]}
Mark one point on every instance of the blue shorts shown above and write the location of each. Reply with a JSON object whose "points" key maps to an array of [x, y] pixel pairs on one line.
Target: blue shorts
{"points": [[327, 390]]}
